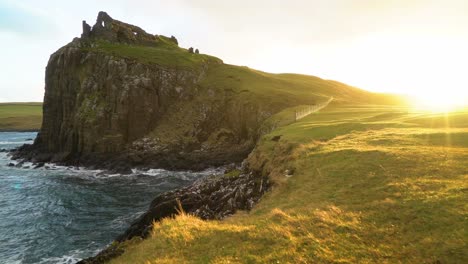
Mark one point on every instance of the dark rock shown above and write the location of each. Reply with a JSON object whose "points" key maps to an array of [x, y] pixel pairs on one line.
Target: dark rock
{"points": [[174, 40], [39, 165], [42, 157], [190, 50], [276, 138], [11, 164], [197, 51], [3, 150], [107, 28], [210, 198], [121, 169], [86, 30]]}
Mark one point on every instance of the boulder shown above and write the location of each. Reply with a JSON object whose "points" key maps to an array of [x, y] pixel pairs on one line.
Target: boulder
{"points": [[173, 39], [39, 165]]}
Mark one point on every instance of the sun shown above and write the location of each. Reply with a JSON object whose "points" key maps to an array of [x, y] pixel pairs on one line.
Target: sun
{"points": [[438, 102]]}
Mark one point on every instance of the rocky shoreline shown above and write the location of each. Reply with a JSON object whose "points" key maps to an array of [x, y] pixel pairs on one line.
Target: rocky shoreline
{"points": [[123, 162], [211, 198]]}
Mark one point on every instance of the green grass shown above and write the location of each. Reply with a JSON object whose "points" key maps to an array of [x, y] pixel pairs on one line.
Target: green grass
{"points": [[371, 185], [165, 53], [20, 116], [283, 89]]}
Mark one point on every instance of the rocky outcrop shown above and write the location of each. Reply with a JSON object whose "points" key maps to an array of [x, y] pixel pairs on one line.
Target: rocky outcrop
{"points": [[209, 198], [97, 103], [106, 28]]}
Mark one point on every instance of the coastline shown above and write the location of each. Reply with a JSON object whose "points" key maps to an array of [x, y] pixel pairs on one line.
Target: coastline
{"points": [[123, 162], [19, 130], [211, 198]]}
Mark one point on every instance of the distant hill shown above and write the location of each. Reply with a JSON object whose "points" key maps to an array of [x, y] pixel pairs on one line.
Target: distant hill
{"points": [[20, 116]]}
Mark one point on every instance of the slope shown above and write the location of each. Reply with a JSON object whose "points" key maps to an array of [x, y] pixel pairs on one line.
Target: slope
{"points": [[365, 185]]}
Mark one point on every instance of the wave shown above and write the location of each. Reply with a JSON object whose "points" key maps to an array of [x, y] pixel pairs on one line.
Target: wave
{"points": [[15, 142], [72, 258]]}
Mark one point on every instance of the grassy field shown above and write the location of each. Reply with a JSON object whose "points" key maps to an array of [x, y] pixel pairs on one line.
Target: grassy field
{"points": [[20, 116], [370, 185]]}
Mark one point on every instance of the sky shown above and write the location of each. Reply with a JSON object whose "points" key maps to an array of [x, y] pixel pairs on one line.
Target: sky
{"points": [[399, 46]]}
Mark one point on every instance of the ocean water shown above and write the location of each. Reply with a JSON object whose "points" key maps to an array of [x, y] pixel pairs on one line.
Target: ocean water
{"points": [[59, 214]]}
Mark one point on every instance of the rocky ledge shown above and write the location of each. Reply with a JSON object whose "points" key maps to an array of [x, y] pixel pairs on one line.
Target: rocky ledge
{"points": [[209, 198]]}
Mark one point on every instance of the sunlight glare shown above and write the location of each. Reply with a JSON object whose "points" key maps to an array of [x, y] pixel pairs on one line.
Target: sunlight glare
{"points": [[434, 102]]}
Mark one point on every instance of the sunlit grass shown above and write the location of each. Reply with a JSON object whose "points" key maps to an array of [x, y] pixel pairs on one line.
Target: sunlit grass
{"points": [[371, 185]]}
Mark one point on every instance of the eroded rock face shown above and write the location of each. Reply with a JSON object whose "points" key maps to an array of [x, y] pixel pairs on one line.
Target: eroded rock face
{"points": [[210, 198], [109, 111], [96, 103], [112, 30]]}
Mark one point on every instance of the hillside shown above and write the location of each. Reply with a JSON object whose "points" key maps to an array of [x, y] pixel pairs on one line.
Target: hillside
{"points": [[119, 97], [363, 184], [20, 116]]}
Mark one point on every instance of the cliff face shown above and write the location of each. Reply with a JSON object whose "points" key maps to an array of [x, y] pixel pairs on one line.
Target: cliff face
{"points": [[98, 103], [102, 101]]}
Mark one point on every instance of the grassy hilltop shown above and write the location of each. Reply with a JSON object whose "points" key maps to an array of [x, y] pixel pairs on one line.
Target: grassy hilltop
{"points": [[20, 116], [370, 185]]}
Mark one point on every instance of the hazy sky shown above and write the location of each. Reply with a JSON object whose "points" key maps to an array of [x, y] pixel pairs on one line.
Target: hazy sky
{"points": [[403, 46]]}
